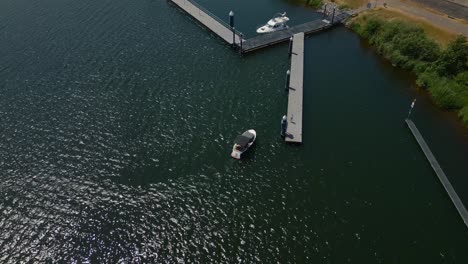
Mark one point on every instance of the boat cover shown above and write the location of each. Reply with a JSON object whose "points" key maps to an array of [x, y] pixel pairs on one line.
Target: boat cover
{"points": [[244, 139]]}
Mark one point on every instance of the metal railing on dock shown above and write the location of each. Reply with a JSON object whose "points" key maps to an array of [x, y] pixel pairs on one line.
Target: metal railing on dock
{"points": [[439, 172]]}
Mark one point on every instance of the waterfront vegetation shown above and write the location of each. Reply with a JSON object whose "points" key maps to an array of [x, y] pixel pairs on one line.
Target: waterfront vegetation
{"points": [[441, 69], [313, 3]]}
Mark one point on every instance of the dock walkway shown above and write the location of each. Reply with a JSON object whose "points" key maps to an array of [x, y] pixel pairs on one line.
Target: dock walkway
{"points": [[224, 31], [219, 27], [295, 97], [439, 172], [265, 40], [269, 39]]}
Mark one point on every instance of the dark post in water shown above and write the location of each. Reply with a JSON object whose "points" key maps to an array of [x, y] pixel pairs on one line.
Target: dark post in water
{"points": [[324, 10], [288, 75], [231, 24], [290, 46], [333, 16], [241, 40], [284, 126]]}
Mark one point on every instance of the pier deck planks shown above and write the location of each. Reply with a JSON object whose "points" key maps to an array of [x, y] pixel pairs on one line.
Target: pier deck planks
{"points": [[295, 97]]}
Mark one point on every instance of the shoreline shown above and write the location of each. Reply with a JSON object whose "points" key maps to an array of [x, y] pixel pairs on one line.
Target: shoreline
{"points": [[447, 89], [441, 70]]}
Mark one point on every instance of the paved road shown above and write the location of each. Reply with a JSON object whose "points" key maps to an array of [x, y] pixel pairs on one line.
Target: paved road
{"points": [[435, 19], [446, 7], [460, 2]]}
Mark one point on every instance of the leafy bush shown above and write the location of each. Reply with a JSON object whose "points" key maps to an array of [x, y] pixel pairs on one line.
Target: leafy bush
{"points": [[314, 3], [454, 59], [445, 93], [463, 114], [343, 6]]}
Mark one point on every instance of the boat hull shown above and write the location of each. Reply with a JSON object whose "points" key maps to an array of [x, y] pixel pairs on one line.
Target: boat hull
{"points": [[265, 29], [237, 154]]}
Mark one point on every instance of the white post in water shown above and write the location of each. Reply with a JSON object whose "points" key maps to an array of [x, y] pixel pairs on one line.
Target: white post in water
{"points": [[231, 24], [284, 126], [288, 75], [411, 109]]}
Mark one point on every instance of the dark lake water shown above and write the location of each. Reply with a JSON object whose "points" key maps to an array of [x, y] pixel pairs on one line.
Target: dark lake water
{"points": [[117, 119]]}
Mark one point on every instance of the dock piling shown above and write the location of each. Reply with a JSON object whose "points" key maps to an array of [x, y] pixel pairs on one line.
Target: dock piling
{"points": [[288, 78], [241, 40], [324, 10], [333, 16], [290, 46], [231, 19], [217, 25], [233, 36], [411, 109], [284, 125], [231, 24]]}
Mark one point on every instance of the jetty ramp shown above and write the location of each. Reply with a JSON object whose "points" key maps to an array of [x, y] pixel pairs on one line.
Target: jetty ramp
{"points": [[439, 172]]}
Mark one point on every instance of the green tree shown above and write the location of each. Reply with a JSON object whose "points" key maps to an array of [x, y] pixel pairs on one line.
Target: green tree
{"points": [[454, 58]]}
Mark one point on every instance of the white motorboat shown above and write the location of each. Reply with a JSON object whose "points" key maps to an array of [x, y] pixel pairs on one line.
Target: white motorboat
{"points": [[243, 142], [278, 22]]}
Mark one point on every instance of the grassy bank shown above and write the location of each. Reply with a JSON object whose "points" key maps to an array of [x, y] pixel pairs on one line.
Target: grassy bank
{"points": [[313, 3], [441, 68], [441, 36]]}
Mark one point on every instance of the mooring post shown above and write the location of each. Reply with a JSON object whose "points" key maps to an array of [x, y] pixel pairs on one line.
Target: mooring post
{"points": [[288, 75], [231, 24], [284, 126], [324, 10], [333, 17], [241, 40], [411, 109], [290, 46]]}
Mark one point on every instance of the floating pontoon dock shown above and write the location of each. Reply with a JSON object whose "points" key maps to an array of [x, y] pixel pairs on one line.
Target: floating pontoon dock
{"points": [[295, 94], [265, 40], [234, 37]]}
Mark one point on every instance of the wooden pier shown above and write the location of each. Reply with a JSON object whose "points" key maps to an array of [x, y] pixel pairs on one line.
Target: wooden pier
{"points": [[216, 25], [295, 96], [234, 37], [439, 172]]}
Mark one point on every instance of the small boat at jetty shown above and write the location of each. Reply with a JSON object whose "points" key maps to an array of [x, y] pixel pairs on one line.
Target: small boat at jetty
{"points": [[243, 142], [278, 22]]}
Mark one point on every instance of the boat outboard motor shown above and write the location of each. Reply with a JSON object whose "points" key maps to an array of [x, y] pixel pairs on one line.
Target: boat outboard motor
{"points": [[284, 125]]}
